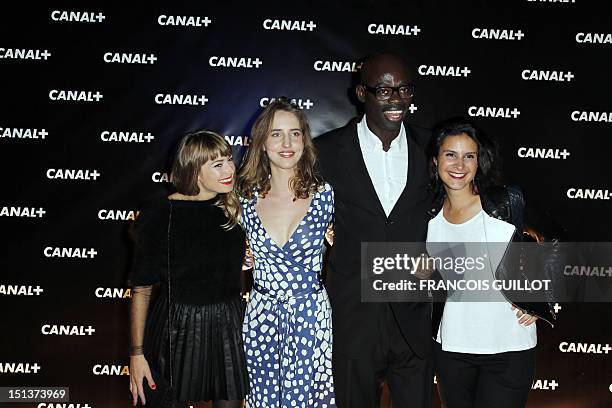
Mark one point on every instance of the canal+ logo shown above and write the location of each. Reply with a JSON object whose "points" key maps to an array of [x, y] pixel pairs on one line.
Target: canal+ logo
{"points": [[19, 368], [302, 103], [24, 54], [444, 71], [393, 29], [497, 34], [542, 153], [183, 21], [23, 133], [69, 16], [234, 62], [289, 25]]}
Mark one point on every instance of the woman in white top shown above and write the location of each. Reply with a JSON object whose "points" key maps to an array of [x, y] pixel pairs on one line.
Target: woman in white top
{"points": [[484, 350]]}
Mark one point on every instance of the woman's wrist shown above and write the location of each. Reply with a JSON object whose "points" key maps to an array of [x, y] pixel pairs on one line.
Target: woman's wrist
{"points": [[136, 351]]}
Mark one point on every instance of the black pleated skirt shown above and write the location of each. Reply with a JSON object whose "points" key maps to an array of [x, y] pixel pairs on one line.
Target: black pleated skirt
{"points": [[207, 349]]}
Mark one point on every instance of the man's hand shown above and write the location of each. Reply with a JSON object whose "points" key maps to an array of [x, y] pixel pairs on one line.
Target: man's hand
{"points": [[422, 272]]}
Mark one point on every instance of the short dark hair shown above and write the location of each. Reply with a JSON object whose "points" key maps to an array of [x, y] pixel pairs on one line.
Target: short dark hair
{"points": [[365, 63], [488, 172]]}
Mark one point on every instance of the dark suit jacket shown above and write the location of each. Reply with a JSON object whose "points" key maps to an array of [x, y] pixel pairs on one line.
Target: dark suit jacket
{"points": [[359, 217]]}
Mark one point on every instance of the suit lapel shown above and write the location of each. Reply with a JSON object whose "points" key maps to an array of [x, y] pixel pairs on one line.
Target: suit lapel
{"points": [[397, 208], [358, 179]]}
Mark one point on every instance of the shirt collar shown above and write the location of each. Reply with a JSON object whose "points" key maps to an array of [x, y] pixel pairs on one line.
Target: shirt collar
{"points": [[369, 141]]}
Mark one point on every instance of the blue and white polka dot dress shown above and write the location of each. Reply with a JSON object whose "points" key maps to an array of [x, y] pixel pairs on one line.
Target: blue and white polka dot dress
{"points": [[287, 327]]}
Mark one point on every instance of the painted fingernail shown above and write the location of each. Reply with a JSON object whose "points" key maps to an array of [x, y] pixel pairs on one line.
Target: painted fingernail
{"points": [[153, 386]]}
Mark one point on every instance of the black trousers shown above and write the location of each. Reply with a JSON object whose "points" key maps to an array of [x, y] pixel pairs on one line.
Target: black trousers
{"points": [[358, 381], [501, 380]]}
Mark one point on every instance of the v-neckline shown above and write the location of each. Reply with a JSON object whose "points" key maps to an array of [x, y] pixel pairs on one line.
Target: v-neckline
{"points": [[259, 220]]}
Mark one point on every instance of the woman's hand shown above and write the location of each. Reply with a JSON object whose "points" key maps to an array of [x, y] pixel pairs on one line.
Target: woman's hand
{"points": [[524, 318], [329, 234], [139, 369], [247, 262]]}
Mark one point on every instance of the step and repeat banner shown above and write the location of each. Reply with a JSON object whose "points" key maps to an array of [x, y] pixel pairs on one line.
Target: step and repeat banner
{"points": [[95, 97]]}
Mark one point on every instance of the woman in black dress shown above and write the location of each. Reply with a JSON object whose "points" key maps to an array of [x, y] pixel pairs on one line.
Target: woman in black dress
{"points": [[191, 240]]}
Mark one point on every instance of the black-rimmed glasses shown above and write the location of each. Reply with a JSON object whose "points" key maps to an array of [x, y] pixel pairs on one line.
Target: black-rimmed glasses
{"points": [[382, 93]]}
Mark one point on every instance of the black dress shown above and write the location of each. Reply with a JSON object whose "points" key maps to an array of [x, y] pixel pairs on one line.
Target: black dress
{"points": [[207, 311]]}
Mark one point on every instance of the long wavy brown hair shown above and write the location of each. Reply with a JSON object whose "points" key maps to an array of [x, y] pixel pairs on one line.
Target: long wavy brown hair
{"points": [[195, 149], [254, 175]]}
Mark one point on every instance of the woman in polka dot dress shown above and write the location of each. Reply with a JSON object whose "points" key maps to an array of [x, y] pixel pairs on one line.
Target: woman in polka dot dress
{"points": [[286, 211]]}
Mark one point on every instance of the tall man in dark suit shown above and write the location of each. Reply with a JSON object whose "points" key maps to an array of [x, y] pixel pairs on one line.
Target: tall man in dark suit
{"points": [[377, 167]]}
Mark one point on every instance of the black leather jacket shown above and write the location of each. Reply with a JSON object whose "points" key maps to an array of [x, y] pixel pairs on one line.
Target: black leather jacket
{"points": [[508, 204]]}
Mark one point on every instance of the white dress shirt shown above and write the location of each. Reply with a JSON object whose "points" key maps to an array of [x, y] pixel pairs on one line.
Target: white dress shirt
{"points": [[388, 170]]}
